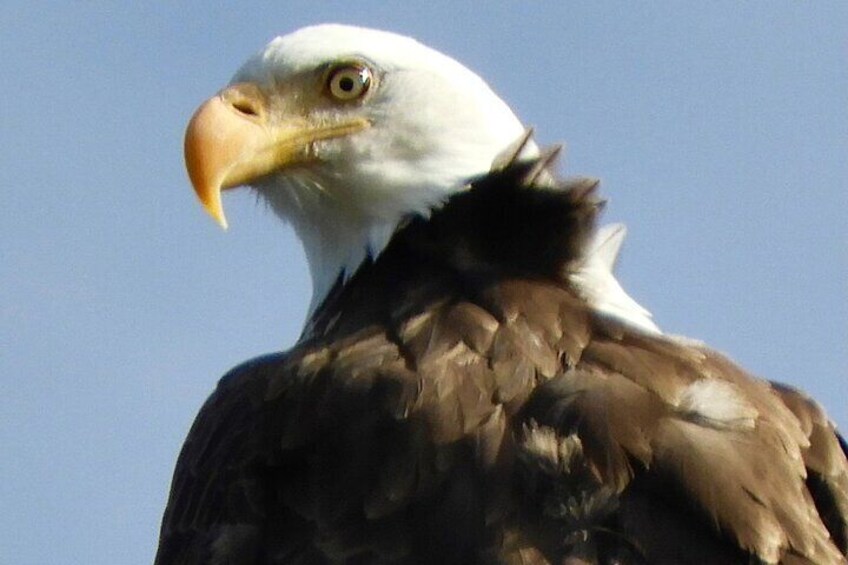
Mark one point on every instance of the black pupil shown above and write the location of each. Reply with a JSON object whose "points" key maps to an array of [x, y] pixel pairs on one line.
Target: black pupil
{"points": [[347, 84]]}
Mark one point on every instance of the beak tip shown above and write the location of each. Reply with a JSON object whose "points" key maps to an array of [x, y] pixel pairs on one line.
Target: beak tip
{"points": [[214, 208]]}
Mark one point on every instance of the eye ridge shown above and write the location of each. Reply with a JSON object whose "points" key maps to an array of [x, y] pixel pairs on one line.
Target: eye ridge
{"points": [[350, 81]]}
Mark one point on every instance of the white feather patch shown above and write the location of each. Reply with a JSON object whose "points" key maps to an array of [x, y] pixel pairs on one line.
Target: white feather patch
{"points": [[555, 453], [718, 404], [596, 282]]}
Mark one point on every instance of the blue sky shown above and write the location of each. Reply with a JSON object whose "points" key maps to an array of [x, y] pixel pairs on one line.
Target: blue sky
{"points": [[720, 135]]}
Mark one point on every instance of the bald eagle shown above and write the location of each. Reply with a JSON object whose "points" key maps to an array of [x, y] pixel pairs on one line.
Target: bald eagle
{"points": [[472, 384]]}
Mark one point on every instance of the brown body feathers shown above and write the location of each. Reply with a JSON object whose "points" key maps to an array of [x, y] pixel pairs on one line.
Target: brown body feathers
{"points": [[456, 401]]}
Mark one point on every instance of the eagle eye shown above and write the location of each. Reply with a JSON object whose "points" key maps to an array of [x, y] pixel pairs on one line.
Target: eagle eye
{"points": [[349, 82]]}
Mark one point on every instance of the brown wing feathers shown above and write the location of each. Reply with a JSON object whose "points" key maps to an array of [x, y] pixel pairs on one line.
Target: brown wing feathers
{"points": [[457, 402]]}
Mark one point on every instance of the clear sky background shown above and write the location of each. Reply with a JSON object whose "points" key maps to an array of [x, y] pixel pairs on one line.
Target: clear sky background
{"points": [[720, 134]]}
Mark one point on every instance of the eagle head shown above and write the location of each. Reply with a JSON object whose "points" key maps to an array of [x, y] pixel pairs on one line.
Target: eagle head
{"points": [[346, 131]]}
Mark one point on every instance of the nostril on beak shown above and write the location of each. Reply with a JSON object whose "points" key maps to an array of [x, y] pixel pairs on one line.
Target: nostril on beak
{"points": [[246, 99], [246, 107]]}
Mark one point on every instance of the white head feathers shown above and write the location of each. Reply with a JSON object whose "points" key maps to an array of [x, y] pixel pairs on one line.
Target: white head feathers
{"points": [[434, 124]]}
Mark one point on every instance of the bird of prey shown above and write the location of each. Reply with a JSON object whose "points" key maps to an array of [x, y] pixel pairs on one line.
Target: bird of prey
{"points": [[472, 385]]}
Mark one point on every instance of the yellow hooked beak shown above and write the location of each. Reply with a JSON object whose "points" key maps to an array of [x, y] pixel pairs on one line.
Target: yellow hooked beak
{"points": [[232, 140]]}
